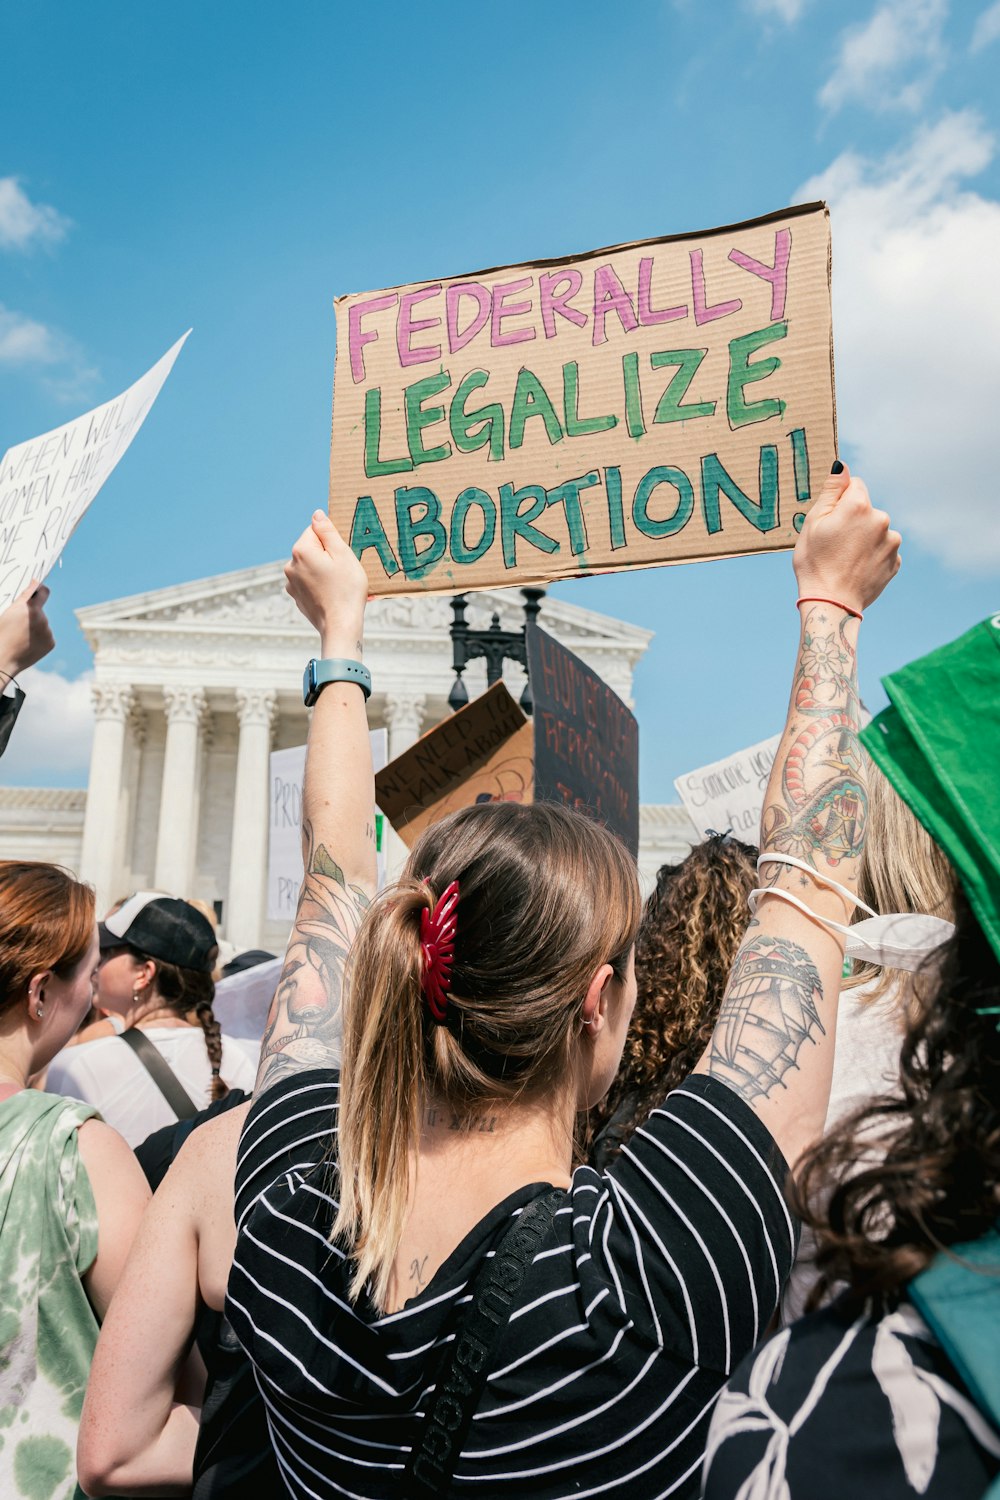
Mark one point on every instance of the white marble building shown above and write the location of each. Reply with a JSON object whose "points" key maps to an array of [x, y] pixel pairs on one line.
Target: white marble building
{"points": [[195, 685]]}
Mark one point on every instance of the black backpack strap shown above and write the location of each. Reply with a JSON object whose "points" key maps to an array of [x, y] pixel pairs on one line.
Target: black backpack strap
{"points": [[161, 1073], [466, 1365]]}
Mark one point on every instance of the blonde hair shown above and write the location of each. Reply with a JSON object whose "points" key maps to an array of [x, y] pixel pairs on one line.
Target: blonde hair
{"points": [[902, 870], [545, 898]]}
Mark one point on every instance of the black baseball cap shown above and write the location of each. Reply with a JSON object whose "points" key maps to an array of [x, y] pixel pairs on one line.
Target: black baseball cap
{"points": [[162, 927]]}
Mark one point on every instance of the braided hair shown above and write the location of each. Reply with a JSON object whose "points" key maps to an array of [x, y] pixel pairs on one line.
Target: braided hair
{"points": [[190, 992]]}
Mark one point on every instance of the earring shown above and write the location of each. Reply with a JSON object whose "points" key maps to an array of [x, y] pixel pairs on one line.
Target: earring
{"points": [[39, 1011]]}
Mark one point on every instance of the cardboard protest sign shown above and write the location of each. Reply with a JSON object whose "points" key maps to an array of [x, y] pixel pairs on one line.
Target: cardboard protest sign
{"points": [[657, 402], [586, 740], [730, 793], [47, 483], [579, 748], [284, 846]]}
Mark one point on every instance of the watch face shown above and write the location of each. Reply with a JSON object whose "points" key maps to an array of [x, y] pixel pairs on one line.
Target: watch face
{"points": [[309, 692]]}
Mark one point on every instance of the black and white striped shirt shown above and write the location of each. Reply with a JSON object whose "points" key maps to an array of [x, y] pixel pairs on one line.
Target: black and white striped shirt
{"points": [[660, 1276]]}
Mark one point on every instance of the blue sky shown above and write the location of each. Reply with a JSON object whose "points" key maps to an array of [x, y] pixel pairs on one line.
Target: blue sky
{"points": [[233, 167]]}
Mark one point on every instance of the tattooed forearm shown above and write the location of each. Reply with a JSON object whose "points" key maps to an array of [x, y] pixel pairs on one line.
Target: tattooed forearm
{"points": [[305, 1024], [819, 809], [770, 1011]]}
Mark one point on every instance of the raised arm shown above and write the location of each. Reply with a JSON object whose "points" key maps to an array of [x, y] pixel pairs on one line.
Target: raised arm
{"points": [[338, 818], [774, 1039]]}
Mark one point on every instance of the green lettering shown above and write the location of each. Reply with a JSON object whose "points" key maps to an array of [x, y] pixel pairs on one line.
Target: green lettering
{"points": [[467, 499], [417, 564], [742, 373], [374, 466], [367, 531], [800, 462], [577, 426], [669, 407], [616, 516], [670, 525], [417, 419], [716, 480], [490, 415], [514, 523], [531, 400], [633, 395]]}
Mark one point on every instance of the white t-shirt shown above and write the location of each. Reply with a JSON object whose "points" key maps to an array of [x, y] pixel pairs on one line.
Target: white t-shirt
{"points": [[107, 1074], [865, 1066]]}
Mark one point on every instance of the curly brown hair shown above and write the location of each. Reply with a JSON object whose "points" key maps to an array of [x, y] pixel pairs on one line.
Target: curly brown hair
{"points": [[939, 1181], [692, 925]]}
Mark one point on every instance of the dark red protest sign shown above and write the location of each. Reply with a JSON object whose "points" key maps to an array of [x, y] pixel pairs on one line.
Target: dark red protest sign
{"points": [[586, 740]]}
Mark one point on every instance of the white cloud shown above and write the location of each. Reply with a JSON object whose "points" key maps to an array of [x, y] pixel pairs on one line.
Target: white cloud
{"points": [[785, 10], [24, 224], [25, 342], [917, 324], [891, 59], [52, 736], [987, 28]]}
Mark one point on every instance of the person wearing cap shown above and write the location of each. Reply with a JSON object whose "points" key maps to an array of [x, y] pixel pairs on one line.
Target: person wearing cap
{"points": [[157, 958], [894, 1390]]}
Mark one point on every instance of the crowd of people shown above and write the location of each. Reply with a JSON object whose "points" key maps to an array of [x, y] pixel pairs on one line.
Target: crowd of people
{"points": [[535, 1189]]}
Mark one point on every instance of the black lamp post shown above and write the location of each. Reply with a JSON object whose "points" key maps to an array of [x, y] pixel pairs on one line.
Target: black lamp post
{"points": [[494, 644]]}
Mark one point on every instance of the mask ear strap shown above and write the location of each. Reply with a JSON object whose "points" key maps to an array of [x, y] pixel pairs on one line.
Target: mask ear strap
{"points": [[793, 900], [800, 864]]}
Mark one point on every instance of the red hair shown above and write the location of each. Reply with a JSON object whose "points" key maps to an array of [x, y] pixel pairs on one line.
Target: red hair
{"points": [[46, 922]]}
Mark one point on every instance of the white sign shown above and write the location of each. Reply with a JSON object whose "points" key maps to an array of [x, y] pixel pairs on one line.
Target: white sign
{"points": [[47, 483], [284, 854], [730, 793]]}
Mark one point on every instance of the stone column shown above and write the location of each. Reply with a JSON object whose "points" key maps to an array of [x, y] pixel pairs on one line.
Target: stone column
{"points": [[112, 705], [256, 710], [135, 739], [404, 713], [177, 832]]}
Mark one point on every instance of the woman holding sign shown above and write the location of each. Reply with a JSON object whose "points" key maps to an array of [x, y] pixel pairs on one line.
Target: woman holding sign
{"points": [[435, 1301]]}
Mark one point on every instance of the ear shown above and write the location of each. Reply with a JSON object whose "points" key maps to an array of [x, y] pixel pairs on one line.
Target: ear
{"points": [[36, 993], [145, 974], [595, 1004]]}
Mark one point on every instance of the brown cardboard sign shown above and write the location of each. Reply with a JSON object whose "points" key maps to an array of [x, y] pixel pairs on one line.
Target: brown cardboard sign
{"points": [[481, 754], [659, 402]]}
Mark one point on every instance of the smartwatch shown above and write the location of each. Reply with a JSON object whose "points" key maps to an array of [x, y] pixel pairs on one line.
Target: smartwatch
{"points": [[334, 669]]}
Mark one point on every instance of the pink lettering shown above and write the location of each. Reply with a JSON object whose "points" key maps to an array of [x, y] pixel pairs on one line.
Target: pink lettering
{"points": [[611, 296], [702, 312], [552, 299], [453, 297], [777, 274], [357, 337], [407, 326], [501, 291], [647, 312]]}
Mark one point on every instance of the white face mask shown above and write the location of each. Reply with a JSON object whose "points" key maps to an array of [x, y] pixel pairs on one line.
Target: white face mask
{"points": [[897, 940]]}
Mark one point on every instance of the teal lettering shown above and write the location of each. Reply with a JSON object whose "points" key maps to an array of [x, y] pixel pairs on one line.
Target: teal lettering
{"points": [[514, 523], [669, 407], [409, 528], [616, 516], [367, 531], [467, 499], [633, 395], [491, 416], [568, 495], [670, 525], [742, 373], [417, 418], [375, 466], [715, 481], [531, 400], [800, 462]]}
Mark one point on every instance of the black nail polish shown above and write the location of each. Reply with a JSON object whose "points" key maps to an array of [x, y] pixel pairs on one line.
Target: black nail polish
{"points": [[838, 467]]}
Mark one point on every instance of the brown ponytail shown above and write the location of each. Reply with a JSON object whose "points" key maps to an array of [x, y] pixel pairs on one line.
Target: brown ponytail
{"points": [[545, 898], [191, 992]]}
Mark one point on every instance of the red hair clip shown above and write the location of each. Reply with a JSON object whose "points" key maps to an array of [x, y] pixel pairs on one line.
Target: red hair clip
{"points": [[437, 948]]}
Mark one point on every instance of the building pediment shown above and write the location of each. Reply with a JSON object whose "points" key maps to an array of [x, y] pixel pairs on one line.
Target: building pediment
{"points": [[253, 602]]}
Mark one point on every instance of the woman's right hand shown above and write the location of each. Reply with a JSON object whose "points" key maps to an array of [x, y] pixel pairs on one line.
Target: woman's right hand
{"points": [[330, 587], [846, 550]]}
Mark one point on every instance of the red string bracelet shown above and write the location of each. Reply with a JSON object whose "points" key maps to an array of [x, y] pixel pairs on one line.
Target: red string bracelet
{"points": [[854, 613]]}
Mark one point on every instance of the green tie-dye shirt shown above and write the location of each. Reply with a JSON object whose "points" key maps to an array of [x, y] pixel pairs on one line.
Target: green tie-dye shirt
{"points": [[48, 1239]]}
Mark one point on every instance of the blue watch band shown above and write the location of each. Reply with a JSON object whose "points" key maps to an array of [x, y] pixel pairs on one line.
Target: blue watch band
{"points": [[334, 669]]}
